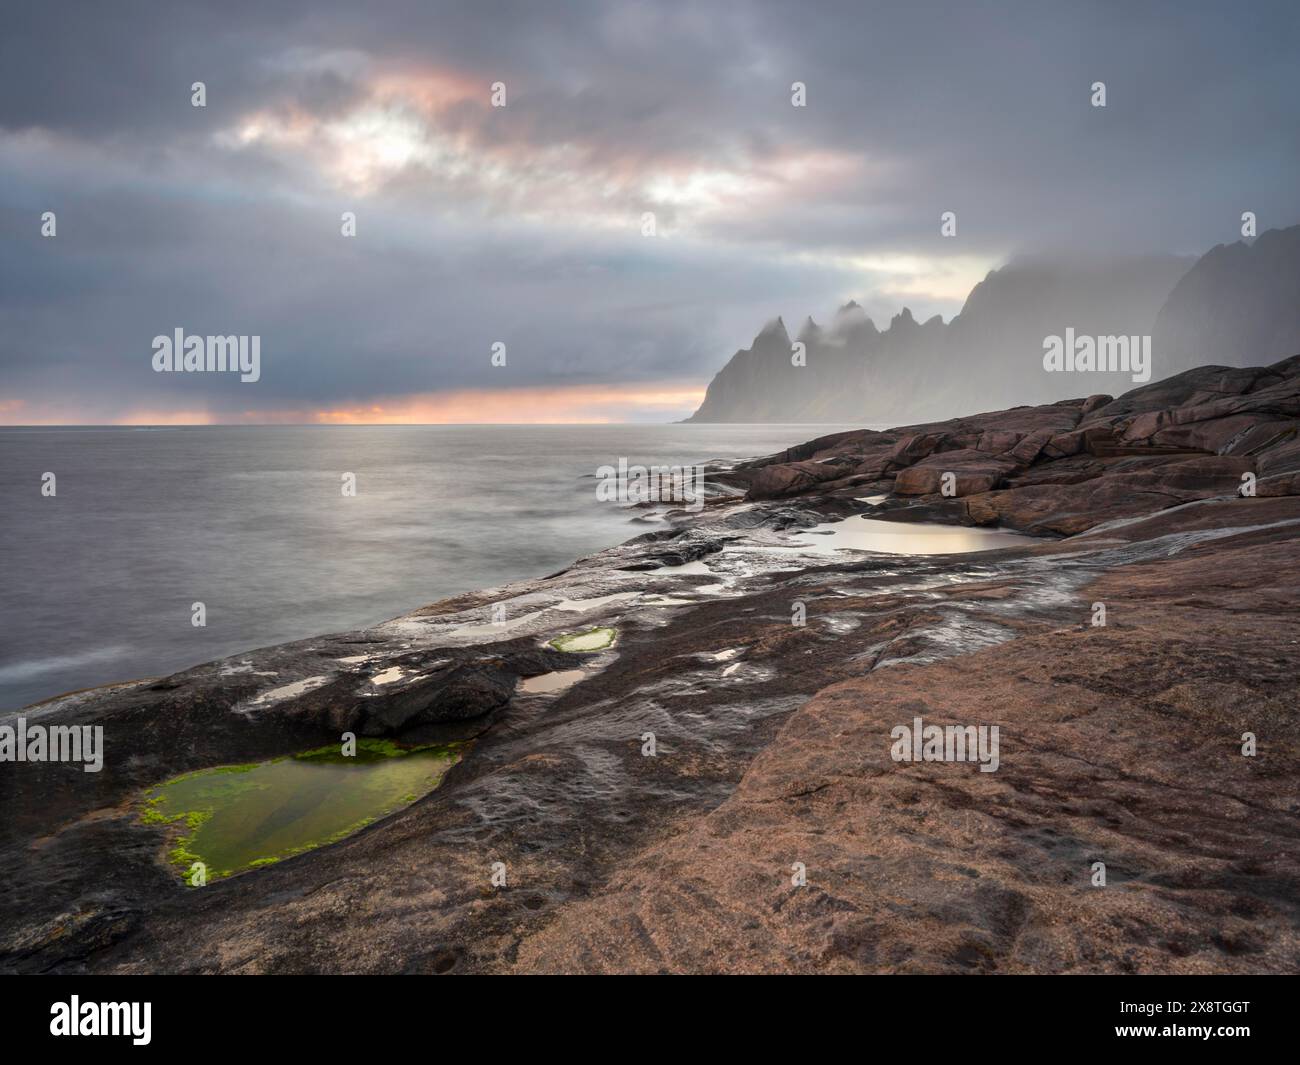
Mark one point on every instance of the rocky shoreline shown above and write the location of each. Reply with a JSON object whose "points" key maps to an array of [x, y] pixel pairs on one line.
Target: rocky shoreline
{"points": [[1121, 743]]}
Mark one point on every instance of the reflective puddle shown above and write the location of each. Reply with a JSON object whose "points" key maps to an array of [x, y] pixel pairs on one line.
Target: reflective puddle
{"points": [[559, 681], [235, 818], [906, 538]]}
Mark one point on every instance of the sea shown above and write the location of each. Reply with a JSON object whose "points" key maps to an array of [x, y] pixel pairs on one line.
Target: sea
{"points": [[100, 579]]}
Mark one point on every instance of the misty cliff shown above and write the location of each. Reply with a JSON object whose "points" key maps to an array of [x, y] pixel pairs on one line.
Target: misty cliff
{"points": [[1238, 304]]}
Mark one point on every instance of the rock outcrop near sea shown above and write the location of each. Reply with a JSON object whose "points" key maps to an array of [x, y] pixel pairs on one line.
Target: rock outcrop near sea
{"points": [[772, 830], [1065, 467]]}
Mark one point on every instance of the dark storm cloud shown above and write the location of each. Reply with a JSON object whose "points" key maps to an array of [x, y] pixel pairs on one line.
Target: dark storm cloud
{"points": [[519, 224]]}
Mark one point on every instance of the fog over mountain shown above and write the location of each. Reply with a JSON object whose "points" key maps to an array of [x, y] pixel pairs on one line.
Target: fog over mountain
{"points": [[1238, 305]]}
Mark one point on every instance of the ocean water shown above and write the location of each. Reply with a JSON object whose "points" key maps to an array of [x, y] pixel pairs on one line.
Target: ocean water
{"points": [[99, 580]]}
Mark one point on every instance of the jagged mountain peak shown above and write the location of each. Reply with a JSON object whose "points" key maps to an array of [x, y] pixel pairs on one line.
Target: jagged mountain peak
{"points": [[775, 327], [1239, 304]]}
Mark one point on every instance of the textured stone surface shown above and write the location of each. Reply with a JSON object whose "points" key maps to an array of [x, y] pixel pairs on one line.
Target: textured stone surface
{"points": [[1225, 422], [1119, 743]]}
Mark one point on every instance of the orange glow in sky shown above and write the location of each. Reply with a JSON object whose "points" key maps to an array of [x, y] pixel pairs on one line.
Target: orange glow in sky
{"points": [[576, 404]]}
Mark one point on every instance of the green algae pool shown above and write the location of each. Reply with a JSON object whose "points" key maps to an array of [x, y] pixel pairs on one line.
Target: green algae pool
{"points": [[241, 817], [596, 639]]}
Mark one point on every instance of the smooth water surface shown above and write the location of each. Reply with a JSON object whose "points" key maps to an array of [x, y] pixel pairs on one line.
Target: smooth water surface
{"points": [[101, 580], [906, 538]]}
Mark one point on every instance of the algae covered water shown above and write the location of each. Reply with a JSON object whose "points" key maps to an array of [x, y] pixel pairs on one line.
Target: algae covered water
{"points": [[235, 818]]}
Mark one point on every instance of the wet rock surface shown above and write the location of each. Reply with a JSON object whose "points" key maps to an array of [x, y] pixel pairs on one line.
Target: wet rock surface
{"points": [[1119, 743], [1064, 467]]}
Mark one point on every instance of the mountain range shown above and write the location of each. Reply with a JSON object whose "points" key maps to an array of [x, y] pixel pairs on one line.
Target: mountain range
{"points": [[1238, 305]]}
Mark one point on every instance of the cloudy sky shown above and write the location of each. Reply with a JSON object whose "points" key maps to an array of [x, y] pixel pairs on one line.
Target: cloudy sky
{"points": [[523, 224]]}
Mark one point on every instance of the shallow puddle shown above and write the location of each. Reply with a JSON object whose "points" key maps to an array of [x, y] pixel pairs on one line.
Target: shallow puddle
{"points": [[591, 604], [592, 640], [291, 691], [234, 818], [562, 680], [906, 538]]}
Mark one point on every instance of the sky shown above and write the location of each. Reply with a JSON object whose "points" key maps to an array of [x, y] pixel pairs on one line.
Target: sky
{"points": [[524, 225]]}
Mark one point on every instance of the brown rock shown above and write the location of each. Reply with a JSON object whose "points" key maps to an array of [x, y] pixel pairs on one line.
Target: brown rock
{"points": [[1281, 458], [776, 482], [1028, 449], [1125, 488], [974, 471], [1063, 445], [1213, 436], [1060, 471], [1282, 484], [1118, 744], [996, 441], [911, 449], [1263, 437]]}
